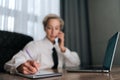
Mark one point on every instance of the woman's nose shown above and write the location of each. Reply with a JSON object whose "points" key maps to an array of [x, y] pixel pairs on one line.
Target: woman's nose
{"points": [[53, 32]]}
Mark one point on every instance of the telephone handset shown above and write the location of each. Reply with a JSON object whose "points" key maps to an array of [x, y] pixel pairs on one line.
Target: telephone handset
{"points": [[59, 40], [58, 37]]}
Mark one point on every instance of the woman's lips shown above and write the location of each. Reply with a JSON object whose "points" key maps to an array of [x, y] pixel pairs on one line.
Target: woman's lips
{"points": [[53, 36]]}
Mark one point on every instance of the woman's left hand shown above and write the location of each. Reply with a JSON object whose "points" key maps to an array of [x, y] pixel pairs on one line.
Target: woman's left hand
{"points": [[61, 41]]}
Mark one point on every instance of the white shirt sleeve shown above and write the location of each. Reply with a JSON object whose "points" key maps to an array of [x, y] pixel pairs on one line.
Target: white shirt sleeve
{"points": [[11, 65], [71, 58], [19, 58]]}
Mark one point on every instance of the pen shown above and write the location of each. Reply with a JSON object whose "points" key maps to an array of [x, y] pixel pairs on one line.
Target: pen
{"points": [[29, 54]]}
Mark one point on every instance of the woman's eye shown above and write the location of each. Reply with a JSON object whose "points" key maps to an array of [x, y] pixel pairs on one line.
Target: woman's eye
{"points": [[48, 27], [57, 28]]}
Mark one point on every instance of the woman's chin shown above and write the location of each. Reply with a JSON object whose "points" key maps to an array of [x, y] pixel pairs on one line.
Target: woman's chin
{"points": [[52, 39]]}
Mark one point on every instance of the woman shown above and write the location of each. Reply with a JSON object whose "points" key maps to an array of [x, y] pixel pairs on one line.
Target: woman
{"points": [[38, 54]]}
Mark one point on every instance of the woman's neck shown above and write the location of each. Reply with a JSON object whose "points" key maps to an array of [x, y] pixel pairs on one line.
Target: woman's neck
{"points": [[53, 42]]}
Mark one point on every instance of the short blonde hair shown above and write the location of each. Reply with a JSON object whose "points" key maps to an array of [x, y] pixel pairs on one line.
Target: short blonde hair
{"points": [[52, 16]]}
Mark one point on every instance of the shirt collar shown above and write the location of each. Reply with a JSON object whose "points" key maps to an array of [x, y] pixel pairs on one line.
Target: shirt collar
{"points": [[50, 44]]}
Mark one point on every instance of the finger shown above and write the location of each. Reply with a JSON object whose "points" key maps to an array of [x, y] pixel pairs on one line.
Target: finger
{"points": [[26, 70], [61, 34], [35, 64], [23, 69], [30, 68]]}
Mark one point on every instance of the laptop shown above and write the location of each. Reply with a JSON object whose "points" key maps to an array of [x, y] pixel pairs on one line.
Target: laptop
{"points": [[108, 59]]}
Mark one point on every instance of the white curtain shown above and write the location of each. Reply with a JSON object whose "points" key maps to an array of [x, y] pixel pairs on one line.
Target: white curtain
{"points": [[25, 16]]}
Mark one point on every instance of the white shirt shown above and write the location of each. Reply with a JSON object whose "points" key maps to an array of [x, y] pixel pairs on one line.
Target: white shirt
{"points": [[42, 51]]}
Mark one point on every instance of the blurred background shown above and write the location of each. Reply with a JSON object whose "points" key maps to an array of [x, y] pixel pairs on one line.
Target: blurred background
{"points": [[88, 23]]}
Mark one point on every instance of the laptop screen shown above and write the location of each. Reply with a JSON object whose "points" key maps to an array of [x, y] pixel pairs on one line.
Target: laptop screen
{"points": [[110, 51]]}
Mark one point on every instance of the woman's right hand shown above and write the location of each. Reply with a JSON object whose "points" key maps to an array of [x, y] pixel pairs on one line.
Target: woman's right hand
{"points": [[29, 67]]}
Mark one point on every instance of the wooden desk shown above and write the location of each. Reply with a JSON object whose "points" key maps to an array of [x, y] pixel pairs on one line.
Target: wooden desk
{"points": [[113, 75]]}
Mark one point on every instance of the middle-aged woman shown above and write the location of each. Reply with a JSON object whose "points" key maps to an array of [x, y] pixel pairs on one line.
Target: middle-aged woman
{"points": [[38, 54]]}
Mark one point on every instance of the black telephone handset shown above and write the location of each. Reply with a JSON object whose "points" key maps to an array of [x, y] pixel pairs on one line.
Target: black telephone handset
{"points": [[59, 40]]}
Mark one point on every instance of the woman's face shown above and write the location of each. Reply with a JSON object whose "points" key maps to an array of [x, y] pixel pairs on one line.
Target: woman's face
{"points": [[52, 29]]}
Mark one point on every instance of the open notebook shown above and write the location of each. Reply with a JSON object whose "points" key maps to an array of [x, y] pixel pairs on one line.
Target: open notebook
{"points": [[108, 59], [42, 74]]}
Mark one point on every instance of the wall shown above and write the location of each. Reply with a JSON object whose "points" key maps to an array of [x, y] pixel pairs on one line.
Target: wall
{"points": [[104, 17]]}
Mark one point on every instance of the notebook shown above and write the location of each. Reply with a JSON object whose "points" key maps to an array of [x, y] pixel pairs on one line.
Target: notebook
{"points": [[108, 59], [41, 74]]}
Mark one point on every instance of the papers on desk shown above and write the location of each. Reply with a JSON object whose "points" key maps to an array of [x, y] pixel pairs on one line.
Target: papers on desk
{"points": [[42, 74]]}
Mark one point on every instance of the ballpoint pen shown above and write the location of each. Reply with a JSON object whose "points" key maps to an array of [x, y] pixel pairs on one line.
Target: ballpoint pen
{"points": [[29, 54]]}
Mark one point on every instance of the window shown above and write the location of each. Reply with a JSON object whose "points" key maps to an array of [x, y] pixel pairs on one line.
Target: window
{"points": [[25, 16]]}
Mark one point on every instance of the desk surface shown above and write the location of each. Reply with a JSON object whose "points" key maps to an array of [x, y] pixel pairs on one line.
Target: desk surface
{"points": [[113, 75]]}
